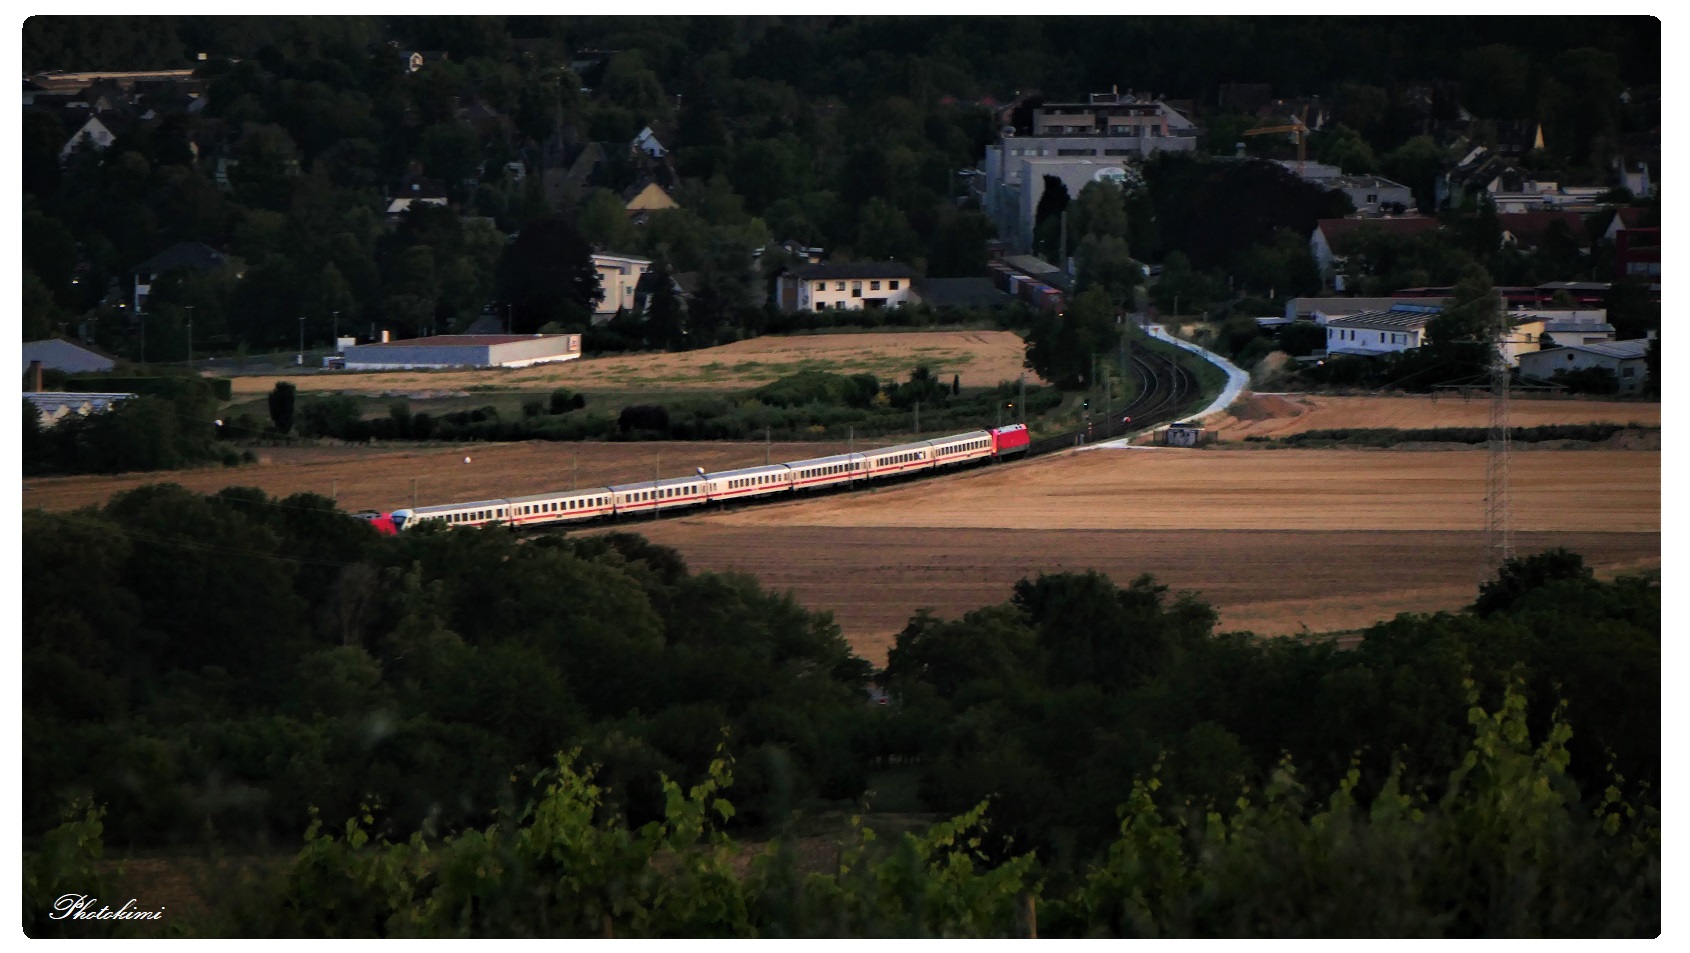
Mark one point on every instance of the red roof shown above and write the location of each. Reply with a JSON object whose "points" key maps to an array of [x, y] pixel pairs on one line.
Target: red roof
{"points": [[471, 340], [1631, 216], [1337, 227]]}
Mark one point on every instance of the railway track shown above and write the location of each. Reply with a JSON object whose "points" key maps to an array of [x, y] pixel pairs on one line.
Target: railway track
{"points": [[1166, 387]]}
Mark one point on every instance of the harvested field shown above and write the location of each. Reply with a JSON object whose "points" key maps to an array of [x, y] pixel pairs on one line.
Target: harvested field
{"points": [[1272, 582], [370, 480], [1275, 415], [1170, 488], [980, 358], [1269, 539]]}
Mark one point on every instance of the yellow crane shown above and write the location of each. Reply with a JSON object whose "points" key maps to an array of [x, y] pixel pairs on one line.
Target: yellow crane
{"points": [[1297, 128]]}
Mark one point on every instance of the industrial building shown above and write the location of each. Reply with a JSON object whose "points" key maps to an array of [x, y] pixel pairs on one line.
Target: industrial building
{"points": [[464, 350]]}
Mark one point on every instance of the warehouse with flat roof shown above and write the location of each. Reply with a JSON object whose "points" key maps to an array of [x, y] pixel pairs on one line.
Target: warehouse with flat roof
{"points": [[464, 350]]}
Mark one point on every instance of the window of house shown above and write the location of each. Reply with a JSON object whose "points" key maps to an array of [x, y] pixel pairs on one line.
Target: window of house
{"points": [[1628, 371], [892, 286], [839, 286], [874, 286], [856, 289], [1373, 200], [821, 286]]}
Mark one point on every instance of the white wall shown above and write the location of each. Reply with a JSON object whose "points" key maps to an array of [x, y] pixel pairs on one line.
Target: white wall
{"points": [[816, 294]]}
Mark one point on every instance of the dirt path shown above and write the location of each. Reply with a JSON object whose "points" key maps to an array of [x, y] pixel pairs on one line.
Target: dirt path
{"points": [[1275, 415], [980, 358]]}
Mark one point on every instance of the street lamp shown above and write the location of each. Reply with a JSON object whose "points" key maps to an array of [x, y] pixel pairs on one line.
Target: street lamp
{"points": [[337, 329]]}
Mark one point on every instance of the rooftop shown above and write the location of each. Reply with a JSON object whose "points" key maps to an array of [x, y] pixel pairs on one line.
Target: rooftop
{"points": [[464, 340], [1384, 320], [1623, 350], [1577, 327]]}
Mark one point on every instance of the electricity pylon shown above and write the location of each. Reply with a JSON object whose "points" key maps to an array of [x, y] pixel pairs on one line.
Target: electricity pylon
{"points": [[1499, 534]]}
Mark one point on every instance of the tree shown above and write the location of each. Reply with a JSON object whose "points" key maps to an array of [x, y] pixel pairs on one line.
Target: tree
{"points": [[664, 316], [1100, 209], [1523, 574], [1105, 263], [885, 234], [547, 275], [604, 222], [1461, 338], [281, 406], [1061, 348]]}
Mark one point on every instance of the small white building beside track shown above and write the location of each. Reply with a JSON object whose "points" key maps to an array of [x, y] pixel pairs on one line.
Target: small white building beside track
{"points": [[464, 350]]}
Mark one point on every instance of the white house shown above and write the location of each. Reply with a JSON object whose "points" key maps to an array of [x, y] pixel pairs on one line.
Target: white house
{"points": [[618, 276], [1627, 359], [849, 286], [93, 132], [1378, 332], [647, 143]]}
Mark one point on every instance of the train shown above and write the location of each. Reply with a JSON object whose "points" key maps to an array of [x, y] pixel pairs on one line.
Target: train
{"points": [[653, 497]]}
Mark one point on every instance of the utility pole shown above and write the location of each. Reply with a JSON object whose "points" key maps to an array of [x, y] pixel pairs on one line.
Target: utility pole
{"points": [[574, 463], [300, 358], [765, 446], [337, 329], [1499, 536], [918, 416]]}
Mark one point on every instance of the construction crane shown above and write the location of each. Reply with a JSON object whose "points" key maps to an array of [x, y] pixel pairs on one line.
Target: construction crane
{"points": [[1296, 128]]}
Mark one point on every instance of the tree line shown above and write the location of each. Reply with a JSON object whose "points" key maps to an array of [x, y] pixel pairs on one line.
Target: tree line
{"points": [[219, 670]]}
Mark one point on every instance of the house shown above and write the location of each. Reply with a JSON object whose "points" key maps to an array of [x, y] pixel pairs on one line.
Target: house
{"points": [[1331, 232], [1306, 309], [805, 253], [647, 143], [415, 190], [1626, 359], [1371, 333], [1076, 143], [619, 277], [190, 256], [93, 134], [1637, 253], [1636, 235], [57, 354], [644, 198], [1373, 194], [849, 286]]}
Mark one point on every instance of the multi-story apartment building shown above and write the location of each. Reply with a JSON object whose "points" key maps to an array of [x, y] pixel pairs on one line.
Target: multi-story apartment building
{"points": [[1076, 143]]}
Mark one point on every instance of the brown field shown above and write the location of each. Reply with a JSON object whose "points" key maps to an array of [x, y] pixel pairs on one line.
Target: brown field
{"points": [[980, 358], [1265, 537], [1273, 582], [366, 479], [1170, 488], [1276, 540], [1275, 415]]}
